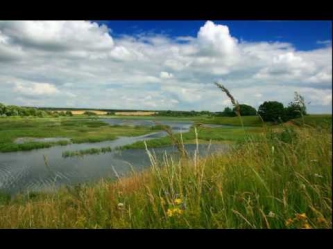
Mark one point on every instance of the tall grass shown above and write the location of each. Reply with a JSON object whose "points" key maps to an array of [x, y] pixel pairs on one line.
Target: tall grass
{"points": [[277, 180], [280, 178], [233, 101]]}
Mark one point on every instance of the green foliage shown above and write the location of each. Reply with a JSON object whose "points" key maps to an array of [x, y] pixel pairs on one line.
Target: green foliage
{"points": [[14, 111], [271, 111], [227, 112], [246, 110]]}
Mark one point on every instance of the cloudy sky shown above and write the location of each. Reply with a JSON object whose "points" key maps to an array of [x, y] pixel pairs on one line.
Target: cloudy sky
{"points": [[161, 65]]}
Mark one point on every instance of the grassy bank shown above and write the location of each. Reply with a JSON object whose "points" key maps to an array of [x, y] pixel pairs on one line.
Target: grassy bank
{"points": [[79, 130], [204, 134], [247, 120], [315, 120], [275, 180]]}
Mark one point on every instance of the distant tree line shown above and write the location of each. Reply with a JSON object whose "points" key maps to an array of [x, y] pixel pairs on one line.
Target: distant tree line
{"points": [[13, 110], [271, 111], [245, 110]]}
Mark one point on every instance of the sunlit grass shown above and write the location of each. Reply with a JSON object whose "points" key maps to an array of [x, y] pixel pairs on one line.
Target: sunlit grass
{"points": [[274, 180]]}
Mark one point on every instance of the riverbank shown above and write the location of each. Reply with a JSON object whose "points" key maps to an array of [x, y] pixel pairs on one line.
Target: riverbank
{"points": [[217, 135], [278, 180]]}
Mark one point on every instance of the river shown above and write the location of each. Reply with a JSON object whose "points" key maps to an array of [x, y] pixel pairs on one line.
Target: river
{"points": [[46, 169]]}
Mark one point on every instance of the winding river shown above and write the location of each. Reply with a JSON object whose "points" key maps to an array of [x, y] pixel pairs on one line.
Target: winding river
{"points": [[46, 169]]}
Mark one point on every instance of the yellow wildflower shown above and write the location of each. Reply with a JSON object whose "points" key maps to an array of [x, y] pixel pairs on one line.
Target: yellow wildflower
{"points": [[174, 211], [307, 226], [178, 201], [170, 212], [301, 216], [289, 222]]}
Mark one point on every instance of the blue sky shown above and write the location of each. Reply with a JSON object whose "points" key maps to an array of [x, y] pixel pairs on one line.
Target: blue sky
{"points": [[303, 34], [165, 65]]}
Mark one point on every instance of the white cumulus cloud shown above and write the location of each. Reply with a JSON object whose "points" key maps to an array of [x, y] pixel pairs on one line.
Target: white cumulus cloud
{"points": [[81, 64]]}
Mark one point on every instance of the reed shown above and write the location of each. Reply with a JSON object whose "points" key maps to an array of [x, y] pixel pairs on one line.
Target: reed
{"points": [[81, 153]]}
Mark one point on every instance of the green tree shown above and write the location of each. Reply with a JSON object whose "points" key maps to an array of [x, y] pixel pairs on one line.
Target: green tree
{"points": [[228, 112], [2, 109], [246, 110], [271, 111]]}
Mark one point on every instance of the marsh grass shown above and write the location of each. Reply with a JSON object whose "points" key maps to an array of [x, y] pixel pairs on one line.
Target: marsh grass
{"points": [[79, 130], [81, 153]]}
